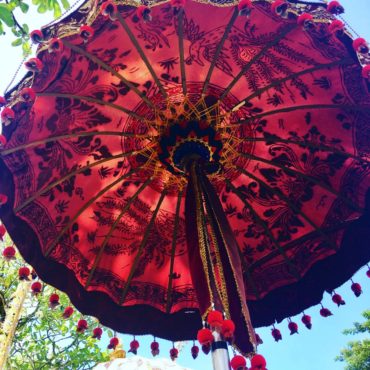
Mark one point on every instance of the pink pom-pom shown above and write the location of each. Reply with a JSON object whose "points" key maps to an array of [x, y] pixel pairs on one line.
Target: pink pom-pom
{"points": [[360, 45], [336, 26], [24, 273], [28, 95], [334, 7], [68, 311], [36, 37], [81, 326], [34, 65], [7, 116], [9, 253], [86, 32], [305, 19], [109, 9], [36, 287]]}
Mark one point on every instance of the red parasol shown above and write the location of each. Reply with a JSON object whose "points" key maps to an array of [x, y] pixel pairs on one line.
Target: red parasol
{"points": [[160, 160]]}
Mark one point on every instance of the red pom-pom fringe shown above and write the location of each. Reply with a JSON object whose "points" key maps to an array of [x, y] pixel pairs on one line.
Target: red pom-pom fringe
{"points": [[109, 9], [28, 95], [238, 362], [334, 7], [279, 6], [324, 312], [306, 319], [194, 351], [81, 326], [34, 65], [338, 300], [174, 353], [305, 20], [336, 26], [7, 116], [258, 362], [113, 343], [54, 300], [97, 333], [36, 37], [86, 32], [9, 253], [24, 273], [36, 287], [276, 334], [360, 45], [68, 311], [205, 337], [134, 345], [215, 319], [356, 289], [293, 327]]}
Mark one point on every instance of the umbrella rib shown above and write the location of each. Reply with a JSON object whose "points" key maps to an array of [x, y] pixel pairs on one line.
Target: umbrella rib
{"points": [[299, 241], [258, 56], [139, 49], [305, 107], [258, 92], [85, 206], [291, 205], [68, 176], [308, 144], [219, 48], [173, 251], [305, 176], [49, 139], [94, 100], [181, 50], [109, 69], [293, 269], [112, 229], [141, 248]]}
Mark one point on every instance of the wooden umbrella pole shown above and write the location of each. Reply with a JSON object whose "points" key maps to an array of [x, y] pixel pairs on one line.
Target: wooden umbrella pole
{"points": [[11, 321], [220, 354]]}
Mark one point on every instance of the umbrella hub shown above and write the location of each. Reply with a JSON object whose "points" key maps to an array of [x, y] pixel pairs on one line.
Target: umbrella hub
{"points": [[187, 140]]}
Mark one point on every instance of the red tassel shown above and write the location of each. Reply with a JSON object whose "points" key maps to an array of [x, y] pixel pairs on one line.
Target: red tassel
{"points": [[205, 337], [24, 273], [9, 253], [228, 329], [113, 343], [336, 26], [36, 37], [337, 299], [356, 289], [134, 345], [194, 351], [34, 65], [306, 21], [368, 271], [306, 319], [7, 117], [174, 353], [97, 333], [334, 7], [81, 326], [276, 334], [143, 12], [154, 347], [215, 319], [55, 45], [238, 363], [279, 7], [28, 95], [360, 45], [53, 300], [36, 287], [245, 7], [86, 32], [293, 327], [258, 362], [68, 311], [324, 312], [2, 227]]}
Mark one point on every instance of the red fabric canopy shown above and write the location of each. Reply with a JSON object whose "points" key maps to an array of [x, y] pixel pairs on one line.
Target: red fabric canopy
{"points": [[99, 215]]}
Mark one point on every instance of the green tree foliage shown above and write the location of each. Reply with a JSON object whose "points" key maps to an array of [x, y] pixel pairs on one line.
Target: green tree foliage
{"points": [[44, 339], [357, 354], [12, 10]]}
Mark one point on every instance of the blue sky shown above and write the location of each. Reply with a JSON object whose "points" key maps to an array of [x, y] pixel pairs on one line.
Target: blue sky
{"points": [[309, 350]]}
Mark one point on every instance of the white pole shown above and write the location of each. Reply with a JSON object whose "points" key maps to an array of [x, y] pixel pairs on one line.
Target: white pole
{"points": [[220, 354]]}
